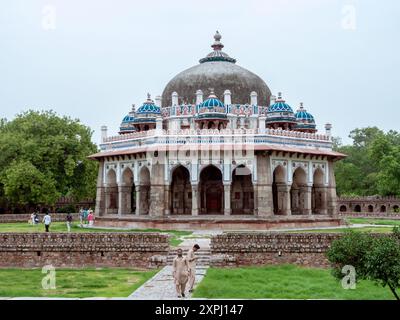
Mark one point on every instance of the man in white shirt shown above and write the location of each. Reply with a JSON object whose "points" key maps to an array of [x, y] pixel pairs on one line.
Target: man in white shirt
{"points": [[191, 258], [47, 221]]}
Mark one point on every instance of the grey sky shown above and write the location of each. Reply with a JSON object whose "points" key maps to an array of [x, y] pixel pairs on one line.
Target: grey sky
{"points": [[99, 57]]}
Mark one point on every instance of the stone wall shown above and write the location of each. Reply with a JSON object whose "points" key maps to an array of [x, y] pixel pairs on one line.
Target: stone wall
{"points": [[24, 217], [140, 250], [376, 205], [242, 249]]}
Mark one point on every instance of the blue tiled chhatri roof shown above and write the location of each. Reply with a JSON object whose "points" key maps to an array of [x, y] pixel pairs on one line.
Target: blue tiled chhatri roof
{"points": [[128, 118], [280, 106], [211, 103], [148, 107], [303, 115]]}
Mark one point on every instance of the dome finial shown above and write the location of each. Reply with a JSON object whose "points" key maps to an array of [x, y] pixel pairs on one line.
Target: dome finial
{"points": [[301, 106], [217, 45], [148, 96]]}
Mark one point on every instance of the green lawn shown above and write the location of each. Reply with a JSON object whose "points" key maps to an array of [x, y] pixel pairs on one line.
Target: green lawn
{"points": [[373, 221], [282, 282], [73, 283], [62, 227], [341, 230]]}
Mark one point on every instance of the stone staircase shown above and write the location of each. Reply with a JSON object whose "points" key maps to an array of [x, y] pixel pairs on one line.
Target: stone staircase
{"points": [[203, 256]]}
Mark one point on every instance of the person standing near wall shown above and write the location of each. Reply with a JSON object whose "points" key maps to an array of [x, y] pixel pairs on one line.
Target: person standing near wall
{"points": [[47, 221], [69, 221], [180, 273], [91, 218], [191, 258], [81, 217]]}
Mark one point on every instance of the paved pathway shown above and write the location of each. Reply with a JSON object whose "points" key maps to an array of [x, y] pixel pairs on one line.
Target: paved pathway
{"points": [[161, 286]]}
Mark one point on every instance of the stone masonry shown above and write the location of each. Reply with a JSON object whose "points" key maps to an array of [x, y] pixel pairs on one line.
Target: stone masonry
{"points": [[140, 250]]}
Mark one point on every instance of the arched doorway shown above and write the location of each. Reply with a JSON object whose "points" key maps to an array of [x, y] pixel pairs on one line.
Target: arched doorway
{"points": [[242, 191], [396, 208], [383, 208], [318, 193], [129, 194], [370, 208], [343, 208], [181, 191], [211, 191], [278, 195], [112, 193], [357, 208], [297, 191], [144, 191]]}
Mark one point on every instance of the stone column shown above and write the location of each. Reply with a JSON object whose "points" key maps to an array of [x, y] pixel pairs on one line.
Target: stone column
{"points": [[263, 189], [195, 199], [121, 202], [137, 190], [331, 191], [306, 199], [284, 199], [227, 199], [100, 192], [255, 198], [167, 200]]}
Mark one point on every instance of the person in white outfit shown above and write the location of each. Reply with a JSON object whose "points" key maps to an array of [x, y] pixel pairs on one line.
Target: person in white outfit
{"points": [[191, 258]]}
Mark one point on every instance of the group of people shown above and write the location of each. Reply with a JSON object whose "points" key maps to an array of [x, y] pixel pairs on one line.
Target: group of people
{"points": [[86, 215], [34, 220], [184, 270]]}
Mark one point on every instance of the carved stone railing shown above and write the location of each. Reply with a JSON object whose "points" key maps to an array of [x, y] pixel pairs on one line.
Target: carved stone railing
{"points": [[216, 132]]}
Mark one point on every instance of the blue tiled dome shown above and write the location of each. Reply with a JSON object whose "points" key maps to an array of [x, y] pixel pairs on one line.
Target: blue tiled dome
{"points": [[212, 102], [149, 107], [305, 120], [280, 106], [128, 119], [304, 116]]}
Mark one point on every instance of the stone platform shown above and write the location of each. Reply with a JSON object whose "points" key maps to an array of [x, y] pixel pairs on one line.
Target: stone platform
{"points": [[219, 222]]}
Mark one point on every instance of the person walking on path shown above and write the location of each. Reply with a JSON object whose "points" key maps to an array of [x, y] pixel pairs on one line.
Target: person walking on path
{"points": [[191, 258], [47, 221], [91, 218], [81, 215], [180, 273], [69, 221]]}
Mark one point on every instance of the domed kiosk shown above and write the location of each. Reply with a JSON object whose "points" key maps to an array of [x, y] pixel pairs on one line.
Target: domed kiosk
{"points": [[220, 72]]}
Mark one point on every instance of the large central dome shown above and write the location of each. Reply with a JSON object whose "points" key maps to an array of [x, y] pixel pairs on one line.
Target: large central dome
{"points": [[217, 71]]}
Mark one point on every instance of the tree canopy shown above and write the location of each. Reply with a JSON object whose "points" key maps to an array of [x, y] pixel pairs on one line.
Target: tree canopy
{"points": [[372, 166], [44, 156], [376, 258]]}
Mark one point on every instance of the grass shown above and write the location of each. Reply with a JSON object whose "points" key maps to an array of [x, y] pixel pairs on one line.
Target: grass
{"points": [[341, 230], [373, 221], [62, 227], [282, 282], [73, 283]]}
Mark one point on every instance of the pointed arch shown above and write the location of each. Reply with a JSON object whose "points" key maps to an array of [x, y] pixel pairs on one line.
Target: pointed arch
{"points": [[181, 191], [318, 193], [144, 191], [242, 191], [211, 190], [279, 193], [297, 196]]}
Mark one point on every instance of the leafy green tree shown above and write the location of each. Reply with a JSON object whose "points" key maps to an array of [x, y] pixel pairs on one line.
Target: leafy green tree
{"points": [[51, 152], [374, 258], [372, 166], [382, 263]]}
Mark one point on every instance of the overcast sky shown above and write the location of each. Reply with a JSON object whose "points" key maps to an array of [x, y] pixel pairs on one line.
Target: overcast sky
{"points": [[93, 59]]}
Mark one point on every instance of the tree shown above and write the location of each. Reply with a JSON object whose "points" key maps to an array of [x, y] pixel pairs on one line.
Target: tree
{"points": [[374, 258], [51, 152], [372, 166]]}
